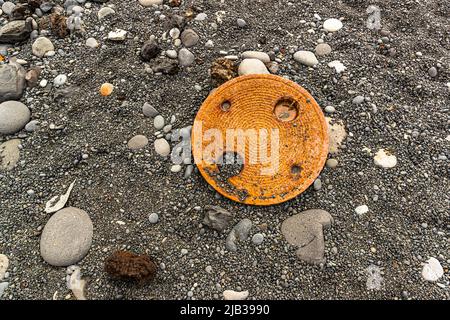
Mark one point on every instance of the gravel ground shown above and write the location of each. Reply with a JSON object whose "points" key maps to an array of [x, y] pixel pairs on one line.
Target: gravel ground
{"points": [[405, 110]]}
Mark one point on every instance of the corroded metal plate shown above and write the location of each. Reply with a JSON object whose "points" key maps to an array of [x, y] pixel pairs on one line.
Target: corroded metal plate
{"points": [[273, 128]]}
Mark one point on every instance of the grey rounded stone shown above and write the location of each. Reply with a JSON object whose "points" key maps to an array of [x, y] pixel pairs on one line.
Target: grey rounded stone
{"points": [[14, 116], [330, 109], [317, 184], [32, 126], [432, 72], [162, 147], [8, 7], [153, 218], [332, 163], [258, 238], [149, 111], [306, 57], [137, 142], [322, 49], [189, 38], [158, 122], [264, 57], [185, 57], [241, 23], [66, 237], [41, 46], [358, 100], [252, 66]]}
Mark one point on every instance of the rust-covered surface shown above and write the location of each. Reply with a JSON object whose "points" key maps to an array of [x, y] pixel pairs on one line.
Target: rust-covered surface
{"points": [[258, 104]]}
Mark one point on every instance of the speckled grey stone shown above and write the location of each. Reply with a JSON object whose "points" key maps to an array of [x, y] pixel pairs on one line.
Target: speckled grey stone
{"points": [[66, 237]]}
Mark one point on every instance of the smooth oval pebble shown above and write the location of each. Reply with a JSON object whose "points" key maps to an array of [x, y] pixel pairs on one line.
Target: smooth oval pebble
{"points": [[158, 122], [60, 80], [137, 142], [235, 295], [148, 3], [432, 271], [41, 46], [185, 57], [252, 66], [14, 115], [153, 218], [189, 38], [258, 238], [264, 57], [104, 12], [92, 43], [149, 111], [332, 25], [322, 49], [162, 147], [306, 57], [66, 237]]}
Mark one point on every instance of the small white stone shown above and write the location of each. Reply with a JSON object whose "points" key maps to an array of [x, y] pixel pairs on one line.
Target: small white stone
{"points": [[432, 270], [148, 3], [201, 16], [60, 80], [332, 25], [362, 209], [252, 66], [118, 35], [158, 122], [306, 57], [385, 159], [153, 218], [337, 65], [104, 12], [235, 295], [92, 43], [174, 33], [176, 168], [264, 57], [172, 54], [162, 147], [43, 83]]}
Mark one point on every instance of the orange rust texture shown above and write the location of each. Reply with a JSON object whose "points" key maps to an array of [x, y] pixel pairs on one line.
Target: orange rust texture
{"points": [[303, 141]]}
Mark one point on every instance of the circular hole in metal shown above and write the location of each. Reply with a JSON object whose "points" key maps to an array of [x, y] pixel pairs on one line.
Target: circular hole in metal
{"points": [[225, 106], [296, 169], [230, 164], [286, 109]]}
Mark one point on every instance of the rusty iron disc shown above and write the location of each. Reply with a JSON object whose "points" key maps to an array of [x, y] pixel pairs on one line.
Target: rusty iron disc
{"points": [[260, 103]]}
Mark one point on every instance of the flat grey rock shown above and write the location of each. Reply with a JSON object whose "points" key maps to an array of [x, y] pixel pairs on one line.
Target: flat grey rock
{"points": [[240, 232], [9, 156], [66, 237], [305, 231], [217, 218], [15, 31]]}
